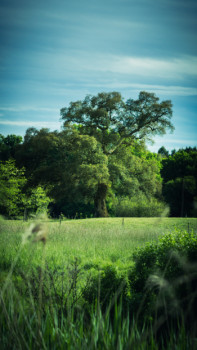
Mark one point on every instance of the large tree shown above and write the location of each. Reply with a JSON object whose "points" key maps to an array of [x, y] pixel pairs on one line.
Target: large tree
{"points": [[66, 164], [114, 122]]}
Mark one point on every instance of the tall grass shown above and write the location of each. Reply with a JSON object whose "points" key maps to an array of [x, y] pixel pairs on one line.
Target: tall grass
{"points": [[20, 329], [42, 305]]}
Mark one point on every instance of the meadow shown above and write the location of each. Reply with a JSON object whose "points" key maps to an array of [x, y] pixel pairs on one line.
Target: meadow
{"points": [[91, 240], [49, 272]]}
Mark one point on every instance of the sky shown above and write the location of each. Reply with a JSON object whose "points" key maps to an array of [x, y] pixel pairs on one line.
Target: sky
{"points": [[53, 52]]}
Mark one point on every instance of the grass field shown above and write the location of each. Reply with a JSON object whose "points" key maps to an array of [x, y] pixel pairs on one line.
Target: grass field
{"points": [[73, 250], [92, 241]]}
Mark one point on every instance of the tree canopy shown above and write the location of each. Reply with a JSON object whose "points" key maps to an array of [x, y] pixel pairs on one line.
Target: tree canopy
{"points": [[113, 122], [99, 161], [8, 146], [15, 199], [116, 123]]}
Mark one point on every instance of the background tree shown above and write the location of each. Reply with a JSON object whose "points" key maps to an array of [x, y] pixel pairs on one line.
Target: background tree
{"points": [[37, 202], [8, 146], [99, 155], [83, 166], [15, 199], [136, 182], [179, 172], [163, 152], [133, 169], [12, 181], [40, 156], [113, 122], [67, 165]]}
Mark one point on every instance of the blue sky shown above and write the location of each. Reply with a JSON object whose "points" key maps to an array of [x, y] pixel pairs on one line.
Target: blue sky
{"points": [[55, 52]]}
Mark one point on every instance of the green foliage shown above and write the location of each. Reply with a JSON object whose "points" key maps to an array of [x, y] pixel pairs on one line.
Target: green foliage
{"points": [[100, 155], [112, 121], [161, 257], [182, 163], [12, 181], [181, 193], [70, 165], [38, 201], [98, 158], [133, 171], [116, 125], [9, 146], [41, 297], [12, 192], [39, 154], [105, 288], [163, 152], [140, 206], [179, 173], [164, 276], [20, 328]]}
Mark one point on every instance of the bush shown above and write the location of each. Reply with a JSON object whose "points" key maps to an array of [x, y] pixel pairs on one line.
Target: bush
{"points": [[106, 287], [163, 281], [140, 207]]}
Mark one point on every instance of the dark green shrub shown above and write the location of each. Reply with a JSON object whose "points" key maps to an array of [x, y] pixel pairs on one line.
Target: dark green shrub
{"points": [[51, 285], [106, 287], [163, 281]]}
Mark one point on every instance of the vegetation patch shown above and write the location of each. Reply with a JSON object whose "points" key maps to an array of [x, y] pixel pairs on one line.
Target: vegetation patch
{"points": [[54, 295]]}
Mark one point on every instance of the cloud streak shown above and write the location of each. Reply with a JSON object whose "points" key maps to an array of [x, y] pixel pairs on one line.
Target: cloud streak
{"points": [[28, 124], [58, 70], [158, 89], [79, 64], [168, 68], [28, 109]]}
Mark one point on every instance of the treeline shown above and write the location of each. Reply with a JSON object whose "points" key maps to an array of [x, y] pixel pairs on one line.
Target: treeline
{"points": [[98, 165], [60, 171]]}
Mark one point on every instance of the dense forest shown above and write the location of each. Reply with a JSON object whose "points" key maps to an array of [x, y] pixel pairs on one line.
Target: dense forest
{"points": [[98, 164]]}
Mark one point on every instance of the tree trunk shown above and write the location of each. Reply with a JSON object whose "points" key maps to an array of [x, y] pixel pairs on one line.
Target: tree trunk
{"points": [[99, 201]]}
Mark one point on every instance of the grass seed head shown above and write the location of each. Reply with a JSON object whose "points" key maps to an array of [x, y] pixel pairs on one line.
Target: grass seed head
{"points": [[37, 232]]}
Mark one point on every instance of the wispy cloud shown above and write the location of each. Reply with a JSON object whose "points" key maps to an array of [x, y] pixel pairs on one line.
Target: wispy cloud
{"points": [[28, 108], [173, 68], [36, 124], [187, 141], [170, 76], [158, 89]]}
